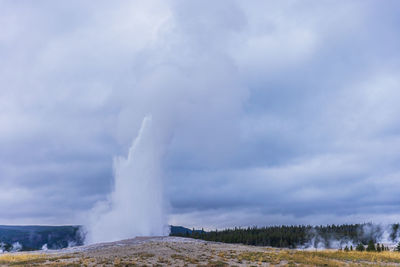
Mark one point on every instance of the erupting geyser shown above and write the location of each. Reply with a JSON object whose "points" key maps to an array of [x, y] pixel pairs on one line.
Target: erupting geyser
{"points": [[136, 205]]}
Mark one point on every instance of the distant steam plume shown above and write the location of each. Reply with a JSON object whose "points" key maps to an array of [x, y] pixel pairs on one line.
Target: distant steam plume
{"points": [[135, 207]]}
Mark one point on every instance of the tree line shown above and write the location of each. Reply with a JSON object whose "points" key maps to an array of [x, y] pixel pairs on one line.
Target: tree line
{"points": [[298, 236]]}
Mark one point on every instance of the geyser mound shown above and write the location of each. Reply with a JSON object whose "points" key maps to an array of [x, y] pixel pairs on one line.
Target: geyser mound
{"points": [[136, 205]]}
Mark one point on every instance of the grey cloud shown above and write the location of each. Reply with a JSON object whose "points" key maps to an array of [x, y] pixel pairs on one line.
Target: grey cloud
{"points": [[272, 112]]}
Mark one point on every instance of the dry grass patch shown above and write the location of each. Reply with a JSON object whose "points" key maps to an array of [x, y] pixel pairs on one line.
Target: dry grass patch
{"points": [[36, 260], [144, 255], [215, 264], [20, 259], [320, 258], [259, 257], [184, 258], [356, 256]]}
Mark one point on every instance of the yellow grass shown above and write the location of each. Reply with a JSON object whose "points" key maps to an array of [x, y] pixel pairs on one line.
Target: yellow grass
{"points": [[9, 258], [384, 257], [32, 259], [320, 258]]}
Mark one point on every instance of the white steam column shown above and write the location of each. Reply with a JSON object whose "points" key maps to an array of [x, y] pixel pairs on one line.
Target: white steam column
{"points": [[136, 206]]}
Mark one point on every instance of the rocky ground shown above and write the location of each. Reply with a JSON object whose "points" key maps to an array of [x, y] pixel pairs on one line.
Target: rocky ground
{"points": [[176, 251]]}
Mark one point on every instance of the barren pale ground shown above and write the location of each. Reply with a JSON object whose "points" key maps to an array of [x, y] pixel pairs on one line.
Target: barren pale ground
{"points": [[174, 251]]}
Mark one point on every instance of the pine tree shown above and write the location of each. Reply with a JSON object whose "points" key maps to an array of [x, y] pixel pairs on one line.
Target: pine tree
{"points": [[346, 249], [371, 246], [398, 247], [360, 247]]}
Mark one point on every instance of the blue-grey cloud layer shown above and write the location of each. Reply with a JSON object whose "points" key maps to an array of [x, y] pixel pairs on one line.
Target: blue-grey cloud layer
{"points": [[273, 112]]}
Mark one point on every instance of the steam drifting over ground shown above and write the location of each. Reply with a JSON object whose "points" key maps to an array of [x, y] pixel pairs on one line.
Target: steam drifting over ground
{"points": [[387, 234], [136, 206]]}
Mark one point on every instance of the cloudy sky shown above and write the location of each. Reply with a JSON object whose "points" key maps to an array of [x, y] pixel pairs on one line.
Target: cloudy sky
{"points": [[273, 112]]}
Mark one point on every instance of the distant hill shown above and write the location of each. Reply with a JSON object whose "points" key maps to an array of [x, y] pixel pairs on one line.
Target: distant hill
{"points": [[34, 237]]}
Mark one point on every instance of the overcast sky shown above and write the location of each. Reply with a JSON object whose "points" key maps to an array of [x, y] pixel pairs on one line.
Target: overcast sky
{"points": [[274, 112]]}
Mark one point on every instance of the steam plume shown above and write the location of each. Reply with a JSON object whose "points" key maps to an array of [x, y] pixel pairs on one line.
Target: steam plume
{"points": [[136, 206]]}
